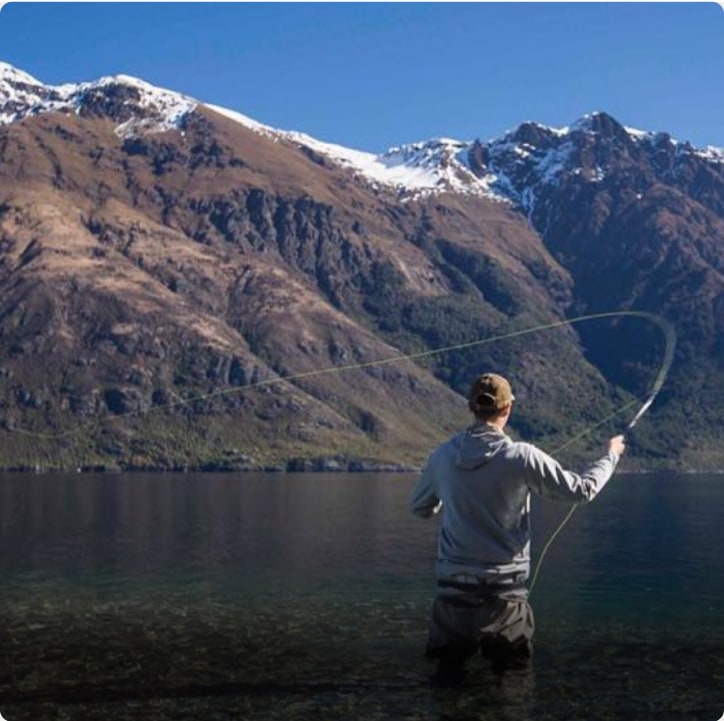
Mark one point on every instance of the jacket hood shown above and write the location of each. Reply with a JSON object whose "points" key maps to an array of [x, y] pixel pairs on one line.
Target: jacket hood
{"points": [[478, 445]]}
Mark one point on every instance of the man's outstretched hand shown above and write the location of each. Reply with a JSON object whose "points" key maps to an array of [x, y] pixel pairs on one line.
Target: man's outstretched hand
{"points": [[617, 444]]}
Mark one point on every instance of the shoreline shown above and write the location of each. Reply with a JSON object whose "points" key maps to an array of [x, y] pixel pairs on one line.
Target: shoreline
{"points": [[297, 467]]}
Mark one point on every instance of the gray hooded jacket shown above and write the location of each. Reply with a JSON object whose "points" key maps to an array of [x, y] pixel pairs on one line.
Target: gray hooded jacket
{"points": [[482, 481]]}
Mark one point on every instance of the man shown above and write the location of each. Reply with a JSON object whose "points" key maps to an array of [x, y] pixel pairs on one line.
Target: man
{"points": [[481, 481]]}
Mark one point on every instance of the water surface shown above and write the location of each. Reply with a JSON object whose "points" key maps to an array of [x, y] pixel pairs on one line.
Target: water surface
{"points": [[246, 596]]}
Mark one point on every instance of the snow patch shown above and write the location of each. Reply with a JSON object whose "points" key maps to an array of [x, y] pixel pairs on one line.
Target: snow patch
{"points": [[244, 120], [636, 134], [23, 95], [414, 170], [712, 154], [12, 74]]}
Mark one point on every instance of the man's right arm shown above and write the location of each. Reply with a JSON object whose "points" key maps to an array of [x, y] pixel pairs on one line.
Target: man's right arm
{"points": [[545, 476]]}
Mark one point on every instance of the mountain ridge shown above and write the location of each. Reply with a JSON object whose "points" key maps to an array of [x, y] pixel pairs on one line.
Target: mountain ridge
{"points": [[434, 165]]}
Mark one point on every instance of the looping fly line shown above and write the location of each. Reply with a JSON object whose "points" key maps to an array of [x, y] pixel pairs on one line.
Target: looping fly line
{"points": [[666, 328]]}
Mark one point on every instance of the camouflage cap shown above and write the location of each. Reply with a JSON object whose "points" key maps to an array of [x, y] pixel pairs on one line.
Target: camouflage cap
{"points": [[490, 392]]}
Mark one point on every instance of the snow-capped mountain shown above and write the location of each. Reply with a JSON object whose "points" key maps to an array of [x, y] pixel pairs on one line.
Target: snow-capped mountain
{"points": [[515, 168], [153, 247]]}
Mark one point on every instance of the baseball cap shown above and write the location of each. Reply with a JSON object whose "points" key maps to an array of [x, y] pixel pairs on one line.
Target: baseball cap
{"points": [[490, 392]]}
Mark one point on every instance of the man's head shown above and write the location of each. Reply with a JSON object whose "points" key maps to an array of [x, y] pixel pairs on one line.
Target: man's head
{"points": [[490, 398]]}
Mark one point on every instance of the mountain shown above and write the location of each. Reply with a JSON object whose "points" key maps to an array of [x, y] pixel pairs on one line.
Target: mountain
{"points": [[165, 265]]}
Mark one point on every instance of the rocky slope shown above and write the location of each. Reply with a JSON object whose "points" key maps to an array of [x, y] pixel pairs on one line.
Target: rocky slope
{"points": [[165, 265]]}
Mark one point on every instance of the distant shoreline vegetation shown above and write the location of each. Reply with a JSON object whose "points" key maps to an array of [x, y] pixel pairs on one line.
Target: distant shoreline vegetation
{"points": [[318, 466]]}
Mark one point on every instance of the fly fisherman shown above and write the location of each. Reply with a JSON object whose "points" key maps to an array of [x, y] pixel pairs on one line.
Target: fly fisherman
{"points": [[481, 481]]}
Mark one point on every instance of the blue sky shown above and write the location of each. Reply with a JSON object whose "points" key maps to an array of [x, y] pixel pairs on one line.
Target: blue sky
{"points": [[374, 75]]}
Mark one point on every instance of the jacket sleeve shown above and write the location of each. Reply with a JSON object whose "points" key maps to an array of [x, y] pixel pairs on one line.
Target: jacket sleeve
{"points": [[423, 501], [546, 477]]}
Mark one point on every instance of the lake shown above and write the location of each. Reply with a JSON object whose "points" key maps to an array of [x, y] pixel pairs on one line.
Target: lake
{"points": [[245, 596]]}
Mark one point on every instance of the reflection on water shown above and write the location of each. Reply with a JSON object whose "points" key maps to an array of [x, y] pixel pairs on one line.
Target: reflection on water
{"points": [[206, 527], [295, 597]]}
